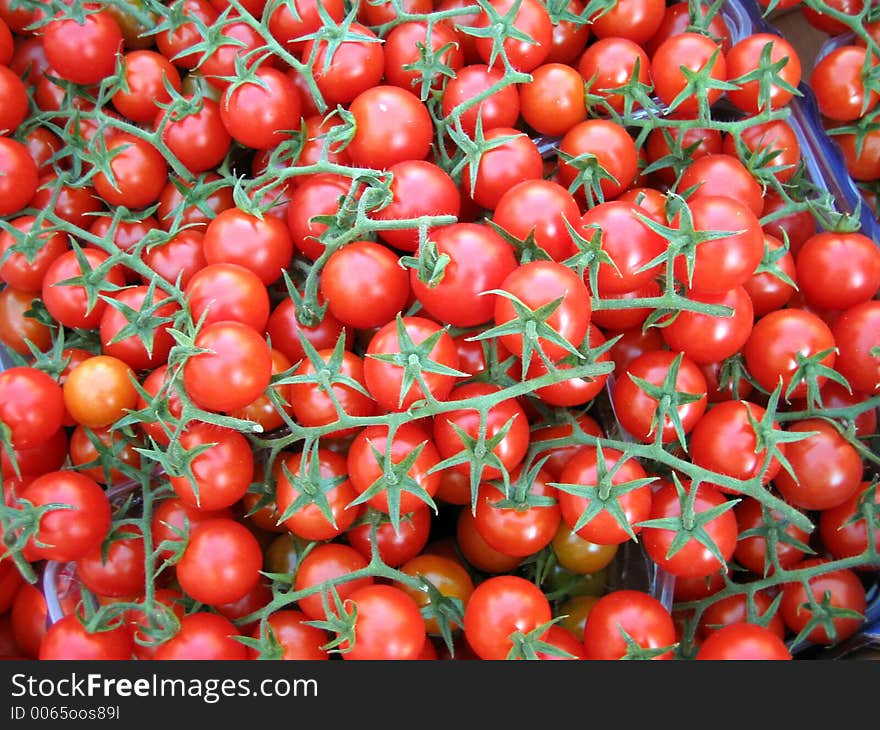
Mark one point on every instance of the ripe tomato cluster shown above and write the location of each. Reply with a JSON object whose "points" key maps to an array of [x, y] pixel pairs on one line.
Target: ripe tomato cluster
{"points": [[386, 330], [846, 84]]}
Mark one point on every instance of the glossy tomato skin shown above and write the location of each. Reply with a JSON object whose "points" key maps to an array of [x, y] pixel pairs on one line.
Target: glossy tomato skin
{"points": [[827, 468], [636, 409], [475, 550], [139, 173], [401, 50], [204, 636], [29, 619], [222, 474], [838, 270], [844, 589], [604, 528], [355, 67], [553, 102], [728, 262], [83, 53], [225, 291], [262, 245], [239, 358], [777, 338], [735, 609], [693, 51], [389, 625], [284, 329], [221, 562], [261, 113], [844, 529], [693, 559], [531, 18], [724, 441], [31, 406], [20, 270], [68, 639], [539, 283], [395, 548], [480, 260], [612, 148], [839, 85], [610, 63], [503, 166], [743, 641], [745, 56], [297, 639], [19, 180], [146, 75], [68, 303], [515, 530], [705, 338], [313, 406], [68, 534], [629, 243], [856, 334], [510, 450], [329, 562], [131, 349], [385, 380], [448, 576], [498, 607], [540, 208], [364, 467], [120, 573], [308, 521], [641, 616], [199, 140], [751, 550], [392, 126], [364, 285], [499, 109]]}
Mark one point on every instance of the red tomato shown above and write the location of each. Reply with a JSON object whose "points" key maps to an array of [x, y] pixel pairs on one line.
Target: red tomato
{"points": [[500, 606], [364, 285], [635, 20], [31, 406], [144, 349], [838, 270], [305, 517], [743, 641], [83, 53], [722, 175], [388, 364], [553, 101], [29, 619], [147, 77], [841, 588], [392, 126], [694, 52], [262, 245], [498, 109], [262, 112], [827, 468], [328, 564], [621, 503], [475, 550], [389, 625], [745, 57], [199, 139], [234, 371], [204, 636], [636, 409], [221, 474], [395, 548], [752, 548], [844, 529], [479, 261], [694, 558], [367, 471], [599, 157], [116, 571], [224, 292], [221, 562], [705, 338], [296, 639], [418, 188], [507, 450], [735, 609], [69, 639], [354, 66], [18, 176], [856, 334], [838, 82], [402, 49], [502, 166], [778, 340], [643, 618], [71, 532], [539, 208], [519, 529], [139, 173]]}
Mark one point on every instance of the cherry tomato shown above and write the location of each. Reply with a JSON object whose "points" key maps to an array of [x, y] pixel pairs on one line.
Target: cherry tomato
{"points": [[643, 618]]}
